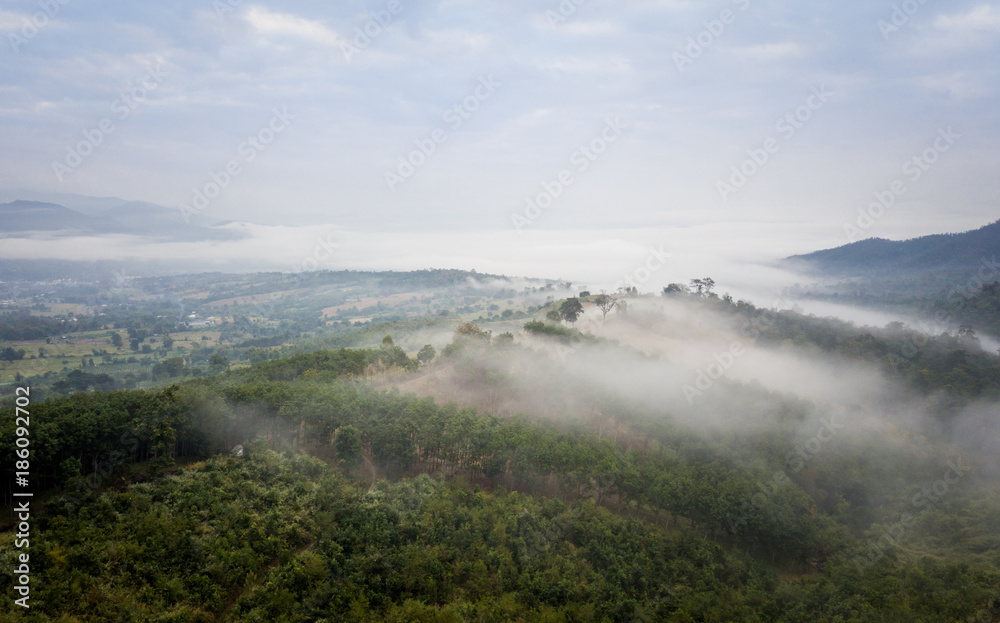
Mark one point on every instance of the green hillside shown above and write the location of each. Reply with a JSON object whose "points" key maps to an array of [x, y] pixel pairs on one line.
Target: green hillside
{"points": [[356, 503], [942, 254]]}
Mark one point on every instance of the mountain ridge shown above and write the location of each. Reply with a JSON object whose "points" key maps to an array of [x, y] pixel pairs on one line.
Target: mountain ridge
{"points": [[882, 258], [130, 217]]}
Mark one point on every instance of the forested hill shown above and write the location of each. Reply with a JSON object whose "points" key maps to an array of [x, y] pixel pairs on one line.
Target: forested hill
{"points": [[885, 259], [353, 503]]}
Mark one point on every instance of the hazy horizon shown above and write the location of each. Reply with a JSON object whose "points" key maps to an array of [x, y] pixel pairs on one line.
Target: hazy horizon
{"points": [[615, 117]]}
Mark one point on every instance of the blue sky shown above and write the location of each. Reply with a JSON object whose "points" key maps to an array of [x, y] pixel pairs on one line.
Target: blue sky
{"points": [[215, 73]]}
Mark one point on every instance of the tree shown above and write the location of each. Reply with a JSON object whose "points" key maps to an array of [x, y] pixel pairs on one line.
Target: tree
{"points": [[170, 368], [80, 381], [966, 332], [348, 445], [116, 340], [168, 343], [12, 354], [605, 303], [675, 288], [390, 355], [217, 363], [554, 315], [703, 287], [571, 309], [473, 330], [426, 354]]}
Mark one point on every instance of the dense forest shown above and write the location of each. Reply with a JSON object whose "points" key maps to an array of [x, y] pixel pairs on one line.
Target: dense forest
{"points": [[557, 499], [974, 305]]}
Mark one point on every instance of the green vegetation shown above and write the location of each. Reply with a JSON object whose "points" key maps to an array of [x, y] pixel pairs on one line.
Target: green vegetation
{"points": [[146, 331], [562, 495], [336, 517]]}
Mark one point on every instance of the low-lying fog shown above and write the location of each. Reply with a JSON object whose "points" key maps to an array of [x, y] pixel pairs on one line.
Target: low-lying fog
{"points": [[740, 257], [735, 254], [706, 371]]}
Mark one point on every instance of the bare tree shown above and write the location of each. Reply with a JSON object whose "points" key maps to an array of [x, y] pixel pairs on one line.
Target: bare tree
{"points": [[605, 303]]}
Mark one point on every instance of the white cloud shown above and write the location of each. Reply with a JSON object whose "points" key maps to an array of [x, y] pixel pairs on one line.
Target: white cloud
{"points": [[768, 51], [959, 85], [458, 41], [983, 17], [11, 21], [588, 65], [270, 23], [607, 58], [535, 118], [591, 29], [958, 33]]}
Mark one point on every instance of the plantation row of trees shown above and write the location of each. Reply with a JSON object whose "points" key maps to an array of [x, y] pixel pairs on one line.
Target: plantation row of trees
{"points": [[201, 544], [270, 537]]}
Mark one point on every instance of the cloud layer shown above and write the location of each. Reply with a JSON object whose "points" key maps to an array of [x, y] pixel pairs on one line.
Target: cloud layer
{"points": [[703, 87]]}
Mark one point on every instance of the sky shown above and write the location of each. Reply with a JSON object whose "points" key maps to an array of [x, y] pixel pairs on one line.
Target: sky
{"points": [[743, 128]]}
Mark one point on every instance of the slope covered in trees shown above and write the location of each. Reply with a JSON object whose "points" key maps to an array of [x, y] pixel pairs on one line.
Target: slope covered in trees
{"points": [[878, 257], [585, 501]]}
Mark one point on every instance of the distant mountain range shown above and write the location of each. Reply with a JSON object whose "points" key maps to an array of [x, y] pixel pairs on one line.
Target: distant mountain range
{"points": [[135, 218], [878, 258]]}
